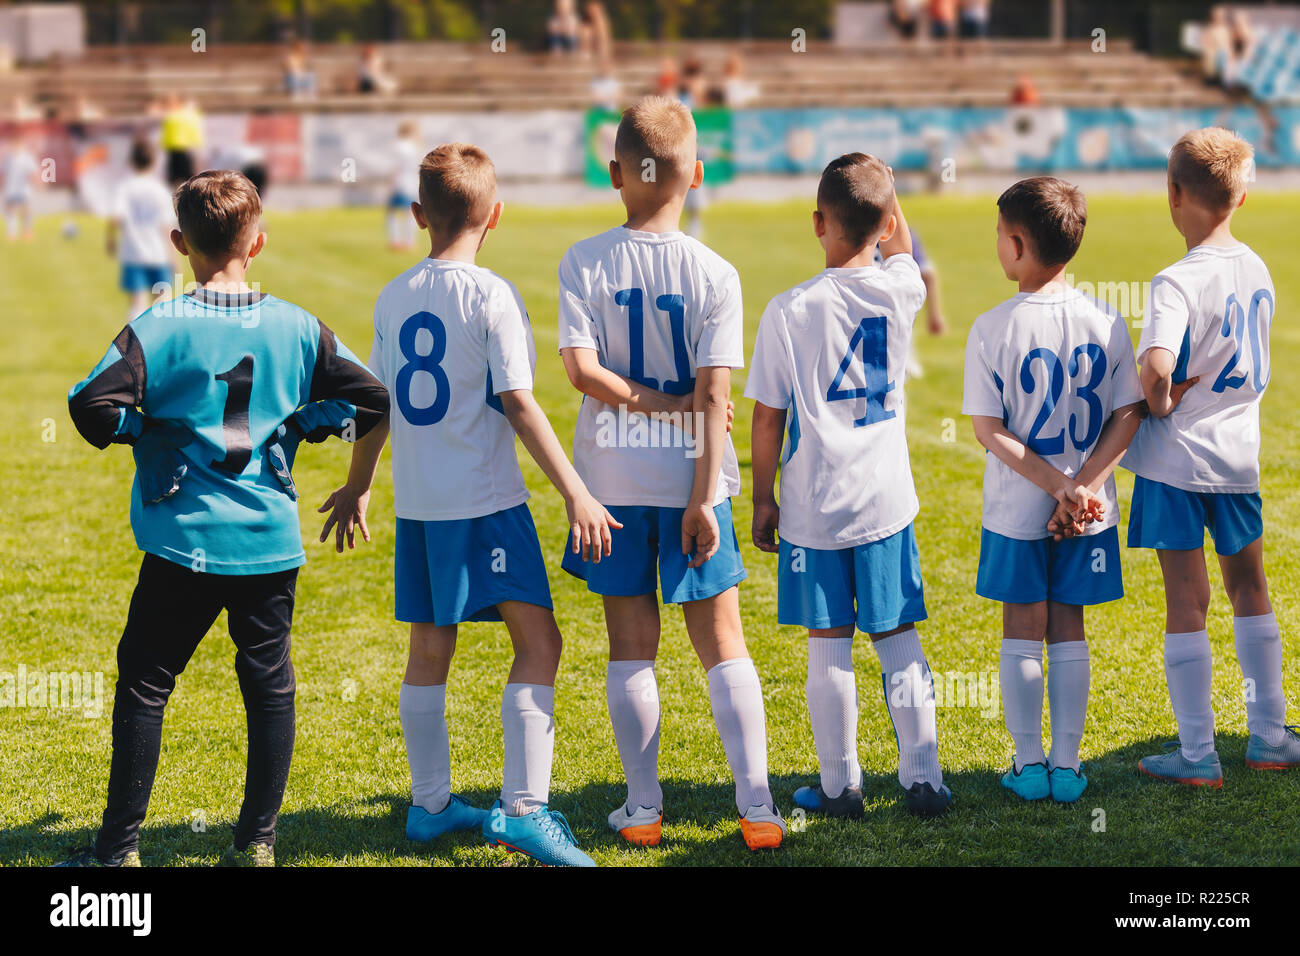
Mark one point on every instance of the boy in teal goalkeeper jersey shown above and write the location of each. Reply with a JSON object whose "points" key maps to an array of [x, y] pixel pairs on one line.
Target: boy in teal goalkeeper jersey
{"points": [[214, 390]]}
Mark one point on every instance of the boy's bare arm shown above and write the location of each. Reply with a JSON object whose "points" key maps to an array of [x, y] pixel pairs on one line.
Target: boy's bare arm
{"points": [[589, 521], [901, 241], [1158, 385], [591, 378], [1114, 440], [699, 524], [1013, 452], [347, 505], [766, 435]]}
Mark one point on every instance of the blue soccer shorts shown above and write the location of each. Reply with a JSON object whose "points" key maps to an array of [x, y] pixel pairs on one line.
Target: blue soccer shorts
{"points": [[1083, 570], [876, 586], [650, 543], [1171, 519], [449, 572]]}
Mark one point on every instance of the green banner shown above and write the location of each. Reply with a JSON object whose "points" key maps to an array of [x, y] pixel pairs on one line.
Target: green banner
{"points": [[714, 145]]}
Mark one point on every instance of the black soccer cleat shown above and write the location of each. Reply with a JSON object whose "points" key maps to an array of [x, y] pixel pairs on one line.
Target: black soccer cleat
{"points": [[925, 802], [814, 800]]}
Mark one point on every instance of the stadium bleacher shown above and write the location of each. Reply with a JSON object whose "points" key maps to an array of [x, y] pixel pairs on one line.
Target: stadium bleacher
{"points": [[445, 76]]}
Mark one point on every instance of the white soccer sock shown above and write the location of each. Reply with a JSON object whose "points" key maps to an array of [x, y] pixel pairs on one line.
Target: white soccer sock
{"points": [[1188, 670], [833, 709], [1259, 653], [909, 693], [1068, 674], [528, 722], [424, 728], [632, 694], [737, 699], [1021, 677]]}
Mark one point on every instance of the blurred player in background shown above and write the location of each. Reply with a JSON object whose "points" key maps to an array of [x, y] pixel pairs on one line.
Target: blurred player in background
{"points": [[405, 186], [18, 177], [139, 230], [182, 137], [935, 321]]}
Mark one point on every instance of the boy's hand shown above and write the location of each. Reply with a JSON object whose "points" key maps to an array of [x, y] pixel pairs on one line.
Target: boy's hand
{"points": [[1079, 502], [158, 464], [700, 534], [1063, 525], [766, 518], [590, 523], [1176, 392], [349, 513]]}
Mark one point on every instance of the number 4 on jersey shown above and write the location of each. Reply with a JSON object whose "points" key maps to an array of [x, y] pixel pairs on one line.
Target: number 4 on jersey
{"points": [[872, 343]]}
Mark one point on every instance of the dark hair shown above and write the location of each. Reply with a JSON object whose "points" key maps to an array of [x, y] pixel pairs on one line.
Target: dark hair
{"points": [[142, 154], [215, 211], [857, 192], [1052, 214]]}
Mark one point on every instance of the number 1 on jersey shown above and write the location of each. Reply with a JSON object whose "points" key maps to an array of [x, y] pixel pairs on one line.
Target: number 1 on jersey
{"points": [[872, 337], [675, 306]]}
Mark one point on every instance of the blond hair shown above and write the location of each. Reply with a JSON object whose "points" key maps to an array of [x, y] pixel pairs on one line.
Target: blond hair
{"points": [[215, 211], [1212, 165], [660, 129], [458, 187]]}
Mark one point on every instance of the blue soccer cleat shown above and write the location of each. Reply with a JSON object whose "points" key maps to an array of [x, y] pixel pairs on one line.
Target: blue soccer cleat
{"points": [[1067, 785], [1030, 782], [424, 827], [1260, 756], [543, 835], [1174, 767], [814, 800]]}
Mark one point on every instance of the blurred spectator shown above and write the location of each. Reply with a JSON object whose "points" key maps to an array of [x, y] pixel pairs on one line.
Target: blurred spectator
{"points": [[1025, 92], [182, 137], [666, 81], [299, 80], [974, 19], [372, 73], [906, 17], [563, 28], [693, 90], [1243, 36], [595, 36], [943, 19], [22, 111], [737, 91], [1216, 47], [605, 87]]}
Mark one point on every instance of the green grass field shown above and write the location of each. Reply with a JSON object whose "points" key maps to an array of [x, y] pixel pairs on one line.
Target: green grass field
{"points": [[69, 564]]}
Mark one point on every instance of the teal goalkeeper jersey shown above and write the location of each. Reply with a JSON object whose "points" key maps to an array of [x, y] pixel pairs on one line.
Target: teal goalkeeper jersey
{"points": [[202, 384]]}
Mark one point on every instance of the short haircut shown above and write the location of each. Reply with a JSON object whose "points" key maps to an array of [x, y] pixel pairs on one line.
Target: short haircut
{"points": [[215, 211], [1212, 166], [458, 185], [856, 191], [1051, 212], [660, 129], [142, 154]]}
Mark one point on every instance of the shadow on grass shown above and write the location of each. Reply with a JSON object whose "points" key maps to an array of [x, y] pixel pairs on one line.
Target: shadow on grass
{"points": [[1124, 818]]}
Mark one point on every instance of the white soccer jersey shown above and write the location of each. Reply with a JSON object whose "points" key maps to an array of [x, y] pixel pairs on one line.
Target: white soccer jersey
{"points": [[1212, 309], [17, 170], [143, 209], [449, 337], [655, 307], [1053, 367], [834, 350]]}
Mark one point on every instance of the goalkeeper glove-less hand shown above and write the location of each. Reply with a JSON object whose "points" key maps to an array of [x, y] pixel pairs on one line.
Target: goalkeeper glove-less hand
{"points": [[159, 467]]}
